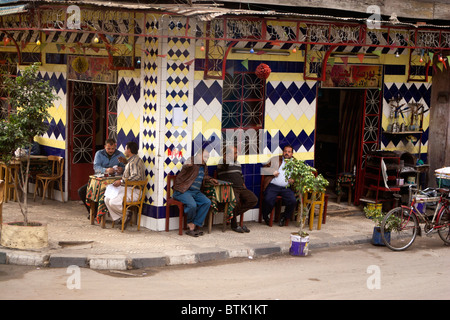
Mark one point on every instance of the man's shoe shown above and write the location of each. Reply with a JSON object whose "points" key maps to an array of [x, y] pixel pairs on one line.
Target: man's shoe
{"points": [[127, 221], [238, 229], [282, 222]]}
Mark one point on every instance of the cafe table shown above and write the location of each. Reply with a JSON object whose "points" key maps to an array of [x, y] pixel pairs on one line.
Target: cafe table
{"points": [[220, 193], [95, 195], [9, 172]]}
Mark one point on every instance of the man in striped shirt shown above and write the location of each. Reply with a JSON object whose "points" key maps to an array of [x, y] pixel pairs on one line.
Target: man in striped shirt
{"points": [[134, 171]]}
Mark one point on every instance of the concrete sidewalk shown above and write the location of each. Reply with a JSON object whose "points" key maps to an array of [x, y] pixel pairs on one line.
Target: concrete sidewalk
{"points": [[74, 241]]}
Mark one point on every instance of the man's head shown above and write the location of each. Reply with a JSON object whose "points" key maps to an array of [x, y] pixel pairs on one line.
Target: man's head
{"points": [[131, 148], [201, 157], [230, 155], [110, 146], [288, 152]]}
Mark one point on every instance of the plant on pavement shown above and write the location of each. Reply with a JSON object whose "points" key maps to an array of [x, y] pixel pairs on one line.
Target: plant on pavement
{"points": [[306, 180], [29, 98]]}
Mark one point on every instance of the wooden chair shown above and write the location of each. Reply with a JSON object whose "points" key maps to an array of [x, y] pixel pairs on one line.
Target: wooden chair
{"points": [[48, 180], [276, 211], [2, 188], [172, 202], [9, 174], [313, 199], [134, 188]]}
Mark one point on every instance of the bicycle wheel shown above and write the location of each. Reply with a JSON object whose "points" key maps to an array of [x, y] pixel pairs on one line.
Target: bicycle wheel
{"points": [[404, 227], [443, 223]]}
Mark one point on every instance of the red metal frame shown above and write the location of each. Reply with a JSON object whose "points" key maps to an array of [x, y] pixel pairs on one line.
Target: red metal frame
{"points": [[360, 42]]}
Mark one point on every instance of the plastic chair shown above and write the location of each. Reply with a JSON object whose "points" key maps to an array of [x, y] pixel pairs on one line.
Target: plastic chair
{"points": [[276, 211], [133, 188], [172, 202], [48, 180]]}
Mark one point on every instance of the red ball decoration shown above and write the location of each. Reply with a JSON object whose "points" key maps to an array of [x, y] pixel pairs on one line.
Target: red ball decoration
{"points": [[263, 71]]}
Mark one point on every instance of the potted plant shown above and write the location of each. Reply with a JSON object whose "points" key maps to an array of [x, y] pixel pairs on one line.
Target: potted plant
{"points": [[29, 98], [306, 180], [377, 215]]}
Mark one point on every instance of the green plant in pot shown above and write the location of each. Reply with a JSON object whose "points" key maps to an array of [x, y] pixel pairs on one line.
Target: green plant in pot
{"points": [[377, 216], [29, 98], [306, 180]]}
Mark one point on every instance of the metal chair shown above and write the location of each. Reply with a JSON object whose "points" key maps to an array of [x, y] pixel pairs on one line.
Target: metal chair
{"points": [[47, 180]]}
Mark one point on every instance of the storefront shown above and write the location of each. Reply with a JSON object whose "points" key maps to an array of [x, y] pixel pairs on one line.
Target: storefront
{"points": [[172, 81]]}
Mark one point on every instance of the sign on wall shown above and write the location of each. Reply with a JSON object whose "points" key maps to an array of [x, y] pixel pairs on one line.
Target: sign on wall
{"points": [[91, 69], [353, 76]]}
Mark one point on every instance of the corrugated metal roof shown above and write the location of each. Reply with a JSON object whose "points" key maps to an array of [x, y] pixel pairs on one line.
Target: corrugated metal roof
{"points": [[204, 12], [4, 11]]}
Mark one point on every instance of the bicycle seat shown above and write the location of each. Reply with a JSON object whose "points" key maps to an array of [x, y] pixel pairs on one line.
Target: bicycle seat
{"points": [[443, 191]]}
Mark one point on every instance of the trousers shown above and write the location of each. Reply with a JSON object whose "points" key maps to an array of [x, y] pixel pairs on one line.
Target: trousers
{"points": [[270, 196], [115, 205], [196, 205]]}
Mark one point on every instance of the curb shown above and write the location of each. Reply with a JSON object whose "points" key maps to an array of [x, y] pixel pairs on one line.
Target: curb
{"points": [[140, 261]]}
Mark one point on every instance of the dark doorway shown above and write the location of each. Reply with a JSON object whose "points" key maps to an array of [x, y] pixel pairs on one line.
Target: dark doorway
{"points": [[92, 119], [338, 131]]}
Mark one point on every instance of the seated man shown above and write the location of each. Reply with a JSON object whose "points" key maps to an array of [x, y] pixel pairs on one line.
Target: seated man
{"points": [[104, 162], [187, 189], [276, 184], [230, 170], [134, 171]]}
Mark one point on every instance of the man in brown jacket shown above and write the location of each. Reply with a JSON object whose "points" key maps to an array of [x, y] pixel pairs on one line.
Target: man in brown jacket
{"points": [[277, 184], [187, 189]]}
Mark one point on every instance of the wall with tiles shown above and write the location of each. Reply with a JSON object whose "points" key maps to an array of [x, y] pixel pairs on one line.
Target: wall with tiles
{"points": [[396, 84], [171, 78]]}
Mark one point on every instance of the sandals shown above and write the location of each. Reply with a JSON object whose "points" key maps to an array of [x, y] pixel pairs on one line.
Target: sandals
{"points": [[240, 229], [192, 233]]}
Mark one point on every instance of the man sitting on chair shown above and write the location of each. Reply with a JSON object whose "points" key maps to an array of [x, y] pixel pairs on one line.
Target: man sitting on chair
{"points": [[134, 171], [276, 184], [230, 170], [104, 162]]}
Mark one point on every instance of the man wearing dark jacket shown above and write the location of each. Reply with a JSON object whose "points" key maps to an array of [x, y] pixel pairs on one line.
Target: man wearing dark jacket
{"points": [[187, 189], [230, 170]]}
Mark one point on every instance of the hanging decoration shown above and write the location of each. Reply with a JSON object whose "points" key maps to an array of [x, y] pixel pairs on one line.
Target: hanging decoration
{"points": [[245, 63], [263, 71]]}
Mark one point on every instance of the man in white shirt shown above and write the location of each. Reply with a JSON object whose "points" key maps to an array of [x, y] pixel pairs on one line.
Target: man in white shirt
{"points": [[275, 185], [134, 171]]}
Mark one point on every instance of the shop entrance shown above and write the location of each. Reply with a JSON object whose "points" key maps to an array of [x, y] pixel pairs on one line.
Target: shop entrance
{"points": [[92, 119], [338, 131]]}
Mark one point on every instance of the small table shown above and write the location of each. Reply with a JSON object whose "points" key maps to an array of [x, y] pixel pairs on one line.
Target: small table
{"points": [[96, 195], [221, 193]]}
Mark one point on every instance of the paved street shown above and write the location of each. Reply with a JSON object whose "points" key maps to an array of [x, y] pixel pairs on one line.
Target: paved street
{"points": [[359, 271]]}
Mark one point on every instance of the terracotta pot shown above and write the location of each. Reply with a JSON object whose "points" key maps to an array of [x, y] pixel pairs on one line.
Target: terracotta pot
{"points": [[17, 236]]}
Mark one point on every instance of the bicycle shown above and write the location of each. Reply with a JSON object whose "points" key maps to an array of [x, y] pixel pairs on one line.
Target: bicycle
{"points": [[404, 221]]}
